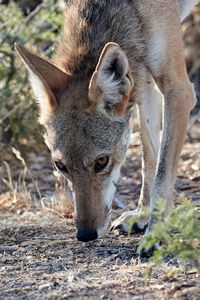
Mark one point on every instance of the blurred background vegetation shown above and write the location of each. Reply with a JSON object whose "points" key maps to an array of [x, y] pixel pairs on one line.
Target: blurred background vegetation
{"points": [[36, 24]]}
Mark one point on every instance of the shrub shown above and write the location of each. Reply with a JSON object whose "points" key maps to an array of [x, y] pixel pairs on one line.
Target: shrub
{"points": [[38, 31], [179, 234]]}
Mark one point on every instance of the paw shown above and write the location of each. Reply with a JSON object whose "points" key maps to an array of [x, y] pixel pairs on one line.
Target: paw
{"points": [[145, 255], [121, 224]]}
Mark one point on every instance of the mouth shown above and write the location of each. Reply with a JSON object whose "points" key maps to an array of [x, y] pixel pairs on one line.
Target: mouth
{"points": [[104, 229], [86, 235]]}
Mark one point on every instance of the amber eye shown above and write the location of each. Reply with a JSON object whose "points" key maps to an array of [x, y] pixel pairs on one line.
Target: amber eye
{"points": [[101, 163], [61, 167]]}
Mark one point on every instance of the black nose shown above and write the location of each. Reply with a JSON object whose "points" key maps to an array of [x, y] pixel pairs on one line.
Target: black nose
{"points": [[86, 236]]}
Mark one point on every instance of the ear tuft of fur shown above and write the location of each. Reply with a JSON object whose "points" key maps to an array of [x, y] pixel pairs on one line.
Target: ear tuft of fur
{"points": [[43, 96], [112, 77]]}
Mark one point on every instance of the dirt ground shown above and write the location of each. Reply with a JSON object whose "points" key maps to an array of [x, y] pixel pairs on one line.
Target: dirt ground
{"points": [[40, 257]]}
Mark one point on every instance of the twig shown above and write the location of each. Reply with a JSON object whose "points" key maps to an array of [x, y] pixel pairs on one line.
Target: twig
{"points": [[11, 186], [10, 112], [54, 212], [10, 54], [32, 15]]}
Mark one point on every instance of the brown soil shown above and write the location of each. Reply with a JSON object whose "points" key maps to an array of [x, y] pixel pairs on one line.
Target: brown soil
{"points": [[40, 257]]}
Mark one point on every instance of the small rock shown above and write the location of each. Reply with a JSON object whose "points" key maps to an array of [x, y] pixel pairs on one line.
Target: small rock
{"points": [[50, 267], [139, 274], [28, 243], [45, 286], [118, 261], [6, 248], [104, 263]]}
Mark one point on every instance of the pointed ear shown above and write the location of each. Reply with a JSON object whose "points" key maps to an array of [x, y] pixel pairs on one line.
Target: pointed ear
{"points": [[46, 79], [111, 84]]}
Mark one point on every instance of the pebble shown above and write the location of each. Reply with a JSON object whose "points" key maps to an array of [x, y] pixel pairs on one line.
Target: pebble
{"points": [[118, 261], [43, 287], [8, 248], [104, 263], [50, 266]]}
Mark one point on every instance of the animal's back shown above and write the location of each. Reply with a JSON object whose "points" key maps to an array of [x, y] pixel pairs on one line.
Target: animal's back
{"points": [[89, 25]]}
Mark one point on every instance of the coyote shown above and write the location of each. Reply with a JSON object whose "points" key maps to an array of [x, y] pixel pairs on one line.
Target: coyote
{"points": [[113, 55]]}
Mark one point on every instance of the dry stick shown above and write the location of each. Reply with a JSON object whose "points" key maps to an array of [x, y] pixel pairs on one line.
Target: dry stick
{"points": [[10, 112], [26, 21], [34, 182], [8, 53], [53, 211], [14, 109], [11, 186], [26, 170], [32, 14]]}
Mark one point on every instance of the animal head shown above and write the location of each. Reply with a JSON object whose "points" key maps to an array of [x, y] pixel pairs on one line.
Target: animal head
{"points": [[87, 130]]}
